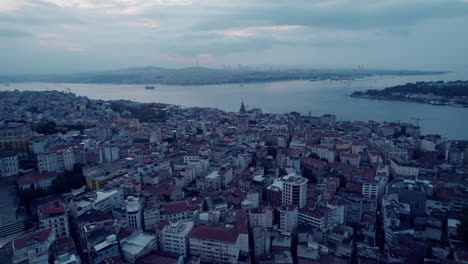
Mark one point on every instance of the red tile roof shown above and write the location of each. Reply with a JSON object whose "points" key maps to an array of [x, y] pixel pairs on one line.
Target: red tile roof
{"points": [[52, 208], [36, 237], [31, 179]]}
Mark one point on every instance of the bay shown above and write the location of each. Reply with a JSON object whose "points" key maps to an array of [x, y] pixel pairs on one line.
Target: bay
{"points": [[316, 97]]}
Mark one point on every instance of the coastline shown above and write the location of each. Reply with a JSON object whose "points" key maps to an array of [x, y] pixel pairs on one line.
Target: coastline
{"points": [[409, 101]]}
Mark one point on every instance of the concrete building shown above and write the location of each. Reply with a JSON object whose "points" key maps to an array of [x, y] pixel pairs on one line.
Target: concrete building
{"points": [[175, 237], [15, 136], [412, 192], [136, 245], [9, 164], [288, 217], [400, 167], [134, 212], [98, 176], [53, 215], [294, 190], [106, 249], [33, 248]]}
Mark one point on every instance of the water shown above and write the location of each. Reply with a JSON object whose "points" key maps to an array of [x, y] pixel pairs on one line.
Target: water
{"points": [[321, 97]]}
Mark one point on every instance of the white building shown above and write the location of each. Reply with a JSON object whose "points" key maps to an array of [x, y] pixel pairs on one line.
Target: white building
{"points": [[175, 237], [134, 213], [294, 190], [107, 248], [322, 152], [8, 163], [402, 168], [53, 215], [137, 245], [289, 217], [262, 217], [100, 200], [33, 248]]}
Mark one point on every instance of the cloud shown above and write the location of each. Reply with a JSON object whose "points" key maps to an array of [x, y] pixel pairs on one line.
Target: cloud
{"points": [[344, 14], [149, 23], [13, 33], [59, 41]]}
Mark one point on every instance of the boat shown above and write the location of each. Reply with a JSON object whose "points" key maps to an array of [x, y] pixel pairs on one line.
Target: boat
{"points": [[7, 84], [149, 87]]}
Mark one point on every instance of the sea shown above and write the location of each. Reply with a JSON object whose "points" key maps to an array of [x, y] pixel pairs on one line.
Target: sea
{"points": [[307, 97]]}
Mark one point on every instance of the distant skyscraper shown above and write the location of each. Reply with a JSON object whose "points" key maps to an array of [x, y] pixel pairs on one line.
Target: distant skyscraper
{"points": [[242, 119]]}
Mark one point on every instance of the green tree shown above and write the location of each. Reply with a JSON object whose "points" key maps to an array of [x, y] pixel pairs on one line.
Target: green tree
{"points": [[314, 156]]}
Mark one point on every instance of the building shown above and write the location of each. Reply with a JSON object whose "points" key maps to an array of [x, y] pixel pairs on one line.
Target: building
{"points": [[261, 217], [412, 192], [288, 218], [400, 167], [33, 248], [228, 243], [98, 176], [36, 181], [175, 237], [9, 164], [294, 190], [134, 212], [242, 119], [137, 245], [106, 249], [261, 241], [15, 136], [53, 215], [59, 160]]}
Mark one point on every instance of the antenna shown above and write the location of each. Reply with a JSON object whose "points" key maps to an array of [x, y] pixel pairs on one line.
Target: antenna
{"points": [[197, 61]]}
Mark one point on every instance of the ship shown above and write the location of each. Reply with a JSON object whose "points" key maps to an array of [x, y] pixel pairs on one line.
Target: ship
{"points": [[149, 87]]}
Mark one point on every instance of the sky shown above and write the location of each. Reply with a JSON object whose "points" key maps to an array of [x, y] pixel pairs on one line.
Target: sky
{"points": [[68, 36]]}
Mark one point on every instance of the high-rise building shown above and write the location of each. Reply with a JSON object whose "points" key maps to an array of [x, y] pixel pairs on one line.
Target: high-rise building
{"points": [[294, 190], [8, 163], [134, 212], [53, 215], [175, 237]]}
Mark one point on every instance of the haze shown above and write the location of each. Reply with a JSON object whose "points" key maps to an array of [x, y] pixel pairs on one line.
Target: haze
{"points": [[66, 36]]}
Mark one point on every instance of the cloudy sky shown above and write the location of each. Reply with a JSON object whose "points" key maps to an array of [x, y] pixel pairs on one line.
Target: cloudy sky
{"points": [[62, 36]]}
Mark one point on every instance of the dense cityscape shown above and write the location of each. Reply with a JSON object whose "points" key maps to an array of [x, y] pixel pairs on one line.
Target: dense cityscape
{"points": [[94, 181]]}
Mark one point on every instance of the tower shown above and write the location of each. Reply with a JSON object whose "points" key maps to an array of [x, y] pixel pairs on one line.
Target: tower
{"points": [[242, 119]]}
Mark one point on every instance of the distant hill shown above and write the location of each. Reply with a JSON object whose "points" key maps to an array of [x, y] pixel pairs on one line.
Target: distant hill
{"points": [[200, 76]]}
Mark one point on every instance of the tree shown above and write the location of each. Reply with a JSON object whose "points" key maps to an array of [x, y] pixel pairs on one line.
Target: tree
{"points": [[314, 156], [272, 151], [462, 228]]}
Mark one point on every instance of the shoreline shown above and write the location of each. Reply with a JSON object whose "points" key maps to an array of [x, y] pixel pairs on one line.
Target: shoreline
{"points": [[408, 101]]}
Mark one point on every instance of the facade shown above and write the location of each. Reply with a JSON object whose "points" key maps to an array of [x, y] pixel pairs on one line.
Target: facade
{"points": [[288, 217], [53, 215], [175, 237], [9, 164], [215, 244], [400, 167], [134, 212], [36, 181], [294, 190], [15, 136], [33, 248], [106, 249]]}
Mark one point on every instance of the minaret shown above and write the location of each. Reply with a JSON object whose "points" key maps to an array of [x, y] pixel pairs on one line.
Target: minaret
{"points": [[242, 119]]}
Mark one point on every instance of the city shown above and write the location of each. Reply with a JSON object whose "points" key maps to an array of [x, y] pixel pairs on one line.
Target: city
{"points": [[94, 181]]}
